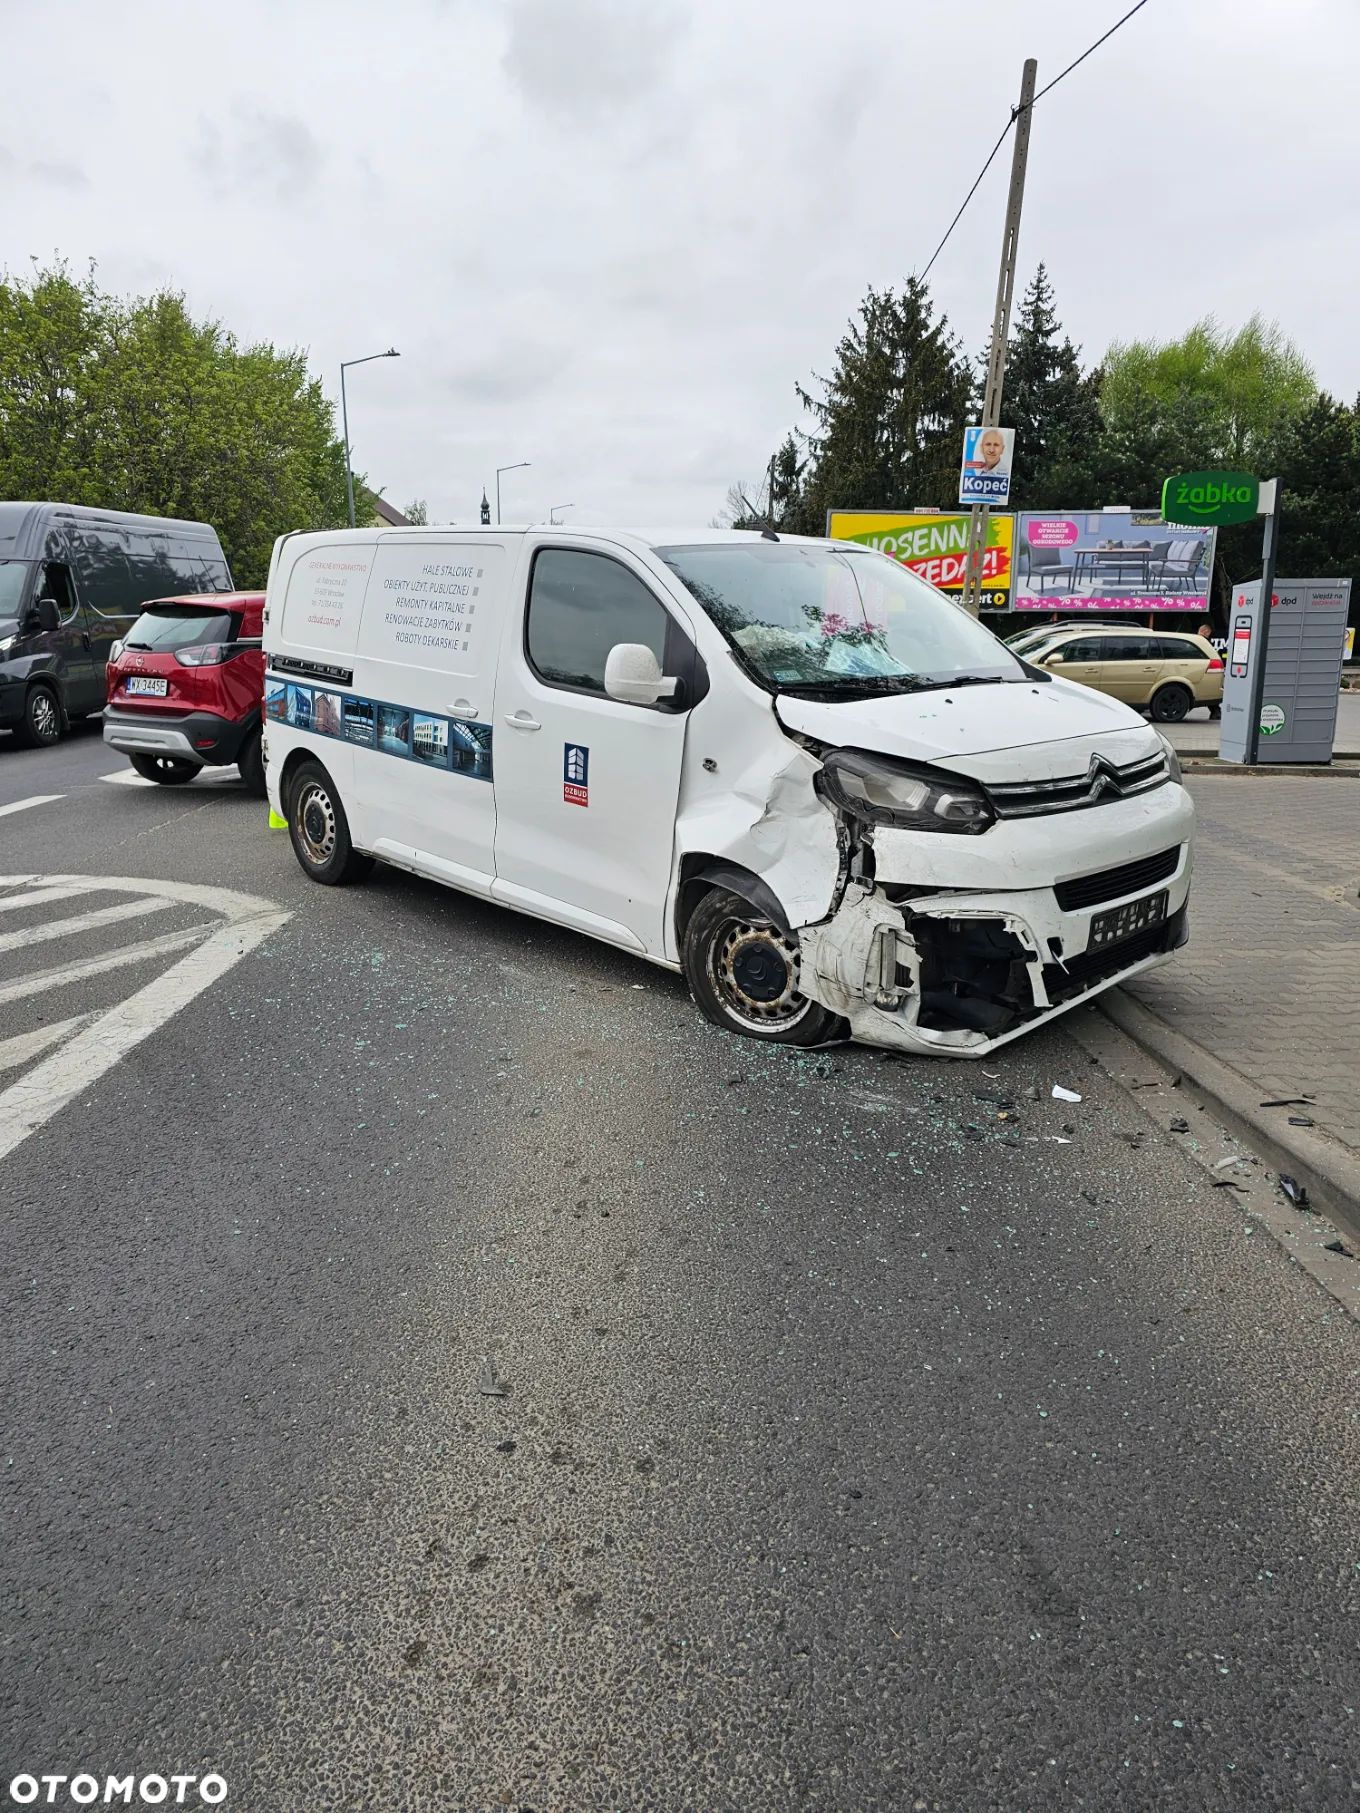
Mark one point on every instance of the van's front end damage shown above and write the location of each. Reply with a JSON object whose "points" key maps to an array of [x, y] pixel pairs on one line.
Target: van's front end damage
{"points": [[955, 944]]}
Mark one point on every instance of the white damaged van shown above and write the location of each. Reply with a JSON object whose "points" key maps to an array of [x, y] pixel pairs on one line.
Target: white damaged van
{"points": [[786, 767]]}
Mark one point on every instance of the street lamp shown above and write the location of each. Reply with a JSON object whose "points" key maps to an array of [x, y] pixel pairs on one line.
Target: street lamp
{"points": [[552, 514], [345, 364], [512, 468]]}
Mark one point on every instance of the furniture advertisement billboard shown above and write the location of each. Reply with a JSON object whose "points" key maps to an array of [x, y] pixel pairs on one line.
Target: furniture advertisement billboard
{"points": [[1107, 561]]}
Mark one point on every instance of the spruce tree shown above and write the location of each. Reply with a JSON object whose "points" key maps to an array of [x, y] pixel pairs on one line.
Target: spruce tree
{"points": [[1053, 407], [889, 420]]}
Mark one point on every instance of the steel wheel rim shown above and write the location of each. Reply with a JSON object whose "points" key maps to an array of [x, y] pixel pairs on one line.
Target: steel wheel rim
{"points": [[743, 948], [316, 826], [46, 723]]}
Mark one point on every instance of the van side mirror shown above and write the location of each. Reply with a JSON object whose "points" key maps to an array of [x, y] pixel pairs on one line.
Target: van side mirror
{"points": [[633, 674], [47, 614], [1053, 659]]}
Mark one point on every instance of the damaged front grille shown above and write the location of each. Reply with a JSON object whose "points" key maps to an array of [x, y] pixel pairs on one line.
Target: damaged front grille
{"points": [[1102, 783]]}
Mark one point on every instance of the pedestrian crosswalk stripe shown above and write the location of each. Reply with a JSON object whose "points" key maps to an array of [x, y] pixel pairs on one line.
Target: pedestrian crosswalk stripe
{"points": [[239, 924], [42, 896], [28, 1045], [36, 982], [83, 922]]}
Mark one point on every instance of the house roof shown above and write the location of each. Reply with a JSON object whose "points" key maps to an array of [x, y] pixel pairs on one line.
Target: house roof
{"points": [[389, 514]]}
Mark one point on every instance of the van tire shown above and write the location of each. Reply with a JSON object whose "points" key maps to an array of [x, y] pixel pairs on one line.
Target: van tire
{"points": [[165, 770], [1170, 703], [320, 831], [743, 972], [43, 722], [250, 762]]}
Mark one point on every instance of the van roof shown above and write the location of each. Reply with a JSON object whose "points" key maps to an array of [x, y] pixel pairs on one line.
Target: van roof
{"points": [[642, 537]]}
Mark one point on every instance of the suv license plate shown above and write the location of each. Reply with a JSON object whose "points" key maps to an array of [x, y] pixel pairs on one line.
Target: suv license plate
{"points": [[1128, 920], [147, 684]]}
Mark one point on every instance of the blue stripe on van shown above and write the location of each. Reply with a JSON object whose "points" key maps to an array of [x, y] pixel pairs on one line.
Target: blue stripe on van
{"points": [[451, 745]]}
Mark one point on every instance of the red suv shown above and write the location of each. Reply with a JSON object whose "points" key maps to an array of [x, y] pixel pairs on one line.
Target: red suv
{"points": [[185, 686]]}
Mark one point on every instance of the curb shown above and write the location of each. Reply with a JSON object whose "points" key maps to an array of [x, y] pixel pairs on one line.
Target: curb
{"points": [[1329, 1171], [1211, 764]]}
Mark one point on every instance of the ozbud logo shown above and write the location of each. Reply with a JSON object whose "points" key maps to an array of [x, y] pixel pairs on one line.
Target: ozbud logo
{"points": [[87, 1790]]}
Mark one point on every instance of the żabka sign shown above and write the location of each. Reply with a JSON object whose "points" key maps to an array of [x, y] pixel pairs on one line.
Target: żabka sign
{"points": [[1217, 498]]}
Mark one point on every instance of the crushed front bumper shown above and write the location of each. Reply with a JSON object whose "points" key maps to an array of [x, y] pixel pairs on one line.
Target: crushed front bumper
{"points": [[960, 973]]}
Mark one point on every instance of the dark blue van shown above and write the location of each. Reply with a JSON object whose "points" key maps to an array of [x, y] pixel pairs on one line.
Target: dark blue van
{"points": [[72, 580]]}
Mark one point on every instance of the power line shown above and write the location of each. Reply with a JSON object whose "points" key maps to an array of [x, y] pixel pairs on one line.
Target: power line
{"points": [[1015, 112], [971, 193], [1096, 46]]}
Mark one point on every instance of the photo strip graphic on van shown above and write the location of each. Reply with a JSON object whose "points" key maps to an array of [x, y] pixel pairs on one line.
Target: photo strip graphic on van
{"points": [[450, 744]]}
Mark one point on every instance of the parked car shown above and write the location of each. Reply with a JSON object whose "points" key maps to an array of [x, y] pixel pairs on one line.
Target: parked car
{"points": [[1029, 638], [1163, 672], [185, 687], [787, 767], [71, 580]]}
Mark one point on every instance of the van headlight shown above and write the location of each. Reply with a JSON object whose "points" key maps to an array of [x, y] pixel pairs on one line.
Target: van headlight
{"points": [[1173, 761], [913, 799]]}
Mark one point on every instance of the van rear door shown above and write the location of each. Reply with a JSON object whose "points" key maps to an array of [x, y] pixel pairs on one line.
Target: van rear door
{"points": [[587, 786]]}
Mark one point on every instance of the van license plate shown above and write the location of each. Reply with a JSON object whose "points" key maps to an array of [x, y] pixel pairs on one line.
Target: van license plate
{"points": [[1128, 920], [148, 685]]}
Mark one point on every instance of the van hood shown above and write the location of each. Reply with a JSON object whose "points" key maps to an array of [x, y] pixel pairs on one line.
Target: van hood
{"points": [[981, 730]]}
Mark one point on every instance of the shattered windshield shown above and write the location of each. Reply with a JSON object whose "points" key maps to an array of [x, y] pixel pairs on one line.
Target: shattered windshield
{"points": [[808, 616]]}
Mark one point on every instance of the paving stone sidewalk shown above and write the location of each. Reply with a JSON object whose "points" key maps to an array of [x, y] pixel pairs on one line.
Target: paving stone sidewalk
{"points": [[1270, 981]]}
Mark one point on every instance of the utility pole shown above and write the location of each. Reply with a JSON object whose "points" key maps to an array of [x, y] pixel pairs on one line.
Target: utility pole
{"points": [[1001, 327]]}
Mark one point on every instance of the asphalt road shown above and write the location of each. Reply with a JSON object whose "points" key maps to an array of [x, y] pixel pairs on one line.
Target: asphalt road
{"points": [[860, 1449]]}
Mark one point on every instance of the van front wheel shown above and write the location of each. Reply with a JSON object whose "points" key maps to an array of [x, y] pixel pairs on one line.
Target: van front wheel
{"points": [[320, 830], [42, 723], [744, 974]]}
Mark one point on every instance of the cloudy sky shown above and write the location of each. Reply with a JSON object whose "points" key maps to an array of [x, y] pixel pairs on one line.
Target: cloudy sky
{"points": [[607, 236]]}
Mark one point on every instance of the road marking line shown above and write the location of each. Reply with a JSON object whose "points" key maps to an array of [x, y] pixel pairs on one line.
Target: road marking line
{"points": [[38, 799], [26, 1045], [37, 981], [128, 777], [58, 1079], [41, 896], [84, 922]]}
